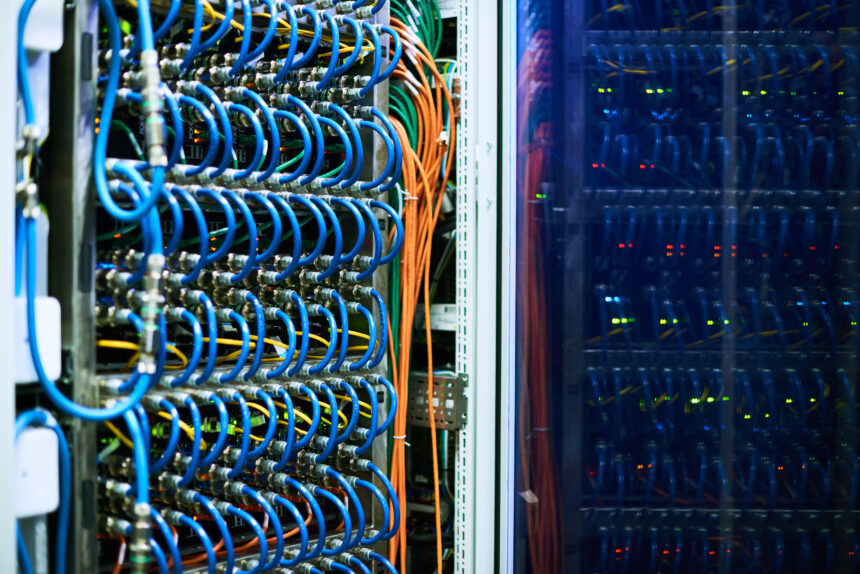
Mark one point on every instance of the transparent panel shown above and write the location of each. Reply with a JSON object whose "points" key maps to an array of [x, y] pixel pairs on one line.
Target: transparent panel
{"points": [[687, 286]]}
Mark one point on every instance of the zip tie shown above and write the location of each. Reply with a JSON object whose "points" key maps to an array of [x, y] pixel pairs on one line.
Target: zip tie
{"points": [[401, 437]]}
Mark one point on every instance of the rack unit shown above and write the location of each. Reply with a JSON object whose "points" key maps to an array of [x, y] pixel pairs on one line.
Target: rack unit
{"points": [[683, 254]]}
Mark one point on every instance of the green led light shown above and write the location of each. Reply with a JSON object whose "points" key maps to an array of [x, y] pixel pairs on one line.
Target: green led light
{"points": [[812, 400], [609, 90], [600, 90], [745, 93], [694, 401], [663, 321], [726, 398], [659, 90], [616, 321], [840, 93], [710, 321], [747, 417], [540, 196], [767, 415], [788, 401], [649, 91], [764, 92], [125, 26], [711, 399], [725, 321]]}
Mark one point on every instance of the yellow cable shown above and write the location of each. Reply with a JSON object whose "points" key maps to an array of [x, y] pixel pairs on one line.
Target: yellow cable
{"points": [[186, 428], [129, 346], [122, 438]]}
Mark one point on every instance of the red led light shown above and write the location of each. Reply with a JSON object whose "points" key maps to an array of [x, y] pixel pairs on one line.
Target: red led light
{"points": [[620, 246], [594, 165]]}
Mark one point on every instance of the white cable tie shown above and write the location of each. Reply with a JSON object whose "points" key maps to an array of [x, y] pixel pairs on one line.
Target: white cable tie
{"points": [[401, 437]]}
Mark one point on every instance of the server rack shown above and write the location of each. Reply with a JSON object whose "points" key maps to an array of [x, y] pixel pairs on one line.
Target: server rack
{"points": [[683, 247]]}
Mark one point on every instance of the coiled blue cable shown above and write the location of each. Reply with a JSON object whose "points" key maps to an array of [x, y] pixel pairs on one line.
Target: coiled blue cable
{"points": [[296, 300], [245, 445], [227, 241], [207, 504], [319, 140], [270, 31], [275, 522], [223, 430], [212, 333], [141, 462], [347, 522], [358, 147], [389, 567], [392, 497], [315, 418], [344, 331], [306, 146], [355, 503], [354, 561], [162, 526], [222, 29], [259, 347], [315, 40], [211, 126], [211, 559], [377, 240], [172, 438], [226, 131], [259, 138], [196, 30], [317, 310], [398, 151], [196, 350], [247, 25], [372, 429], [389, 158], [303, 530], [398, 223], [335, 42], [42, 418], [383, 331], [308, 494], [338, 567], [392, 397], [277, 229], [196, 425], [347, 145], [359, 40], [377, 59], [160, 559], [287, 63], [246, 347], [338, 238], [296, 230], [331, 440], [178, 223], [352, 421], [258, 531], [271, 426], [291, 350], [359, 225], [372, 341], [143, 419], [383, 504], [321, 228], [251, 224], [291, 430], [274, 134], [398, 46]]}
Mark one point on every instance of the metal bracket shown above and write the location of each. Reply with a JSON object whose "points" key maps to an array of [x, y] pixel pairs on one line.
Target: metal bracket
{"points": [[449, 401]]}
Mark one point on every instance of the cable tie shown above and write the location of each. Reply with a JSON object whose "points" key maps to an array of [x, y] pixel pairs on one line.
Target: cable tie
{"points": [[401, 437]]}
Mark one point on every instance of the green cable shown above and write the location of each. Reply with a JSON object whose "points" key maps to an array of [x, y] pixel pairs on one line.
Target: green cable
{"points": [[182, 153], [288, 163], [137, 150]]}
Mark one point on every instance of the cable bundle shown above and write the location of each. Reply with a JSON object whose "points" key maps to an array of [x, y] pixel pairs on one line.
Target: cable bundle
{"points": [[240, 235]]}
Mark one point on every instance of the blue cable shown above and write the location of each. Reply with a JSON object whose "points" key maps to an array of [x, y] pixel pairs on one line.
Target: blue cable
{"points": [[247, 24], [223, 429], [275, 521], [251, 224], [372, 341], [321, 228], [258, 531], [338, 567], [383, 330], [227, 241], [172, 439], [274, 133], [296, 300], [196, 426], [331, 441], [354, 561], [347, 522], [319, 156], [359, 225], [306, 146], [146, 227], [377, 240], [332, 61], [205, 540], [259, 138], [271, 427], [296, 230], [315, 40], [338, 238], [383, 504], [344, 331], [287, 63], [377, 59], [398, 151], [389, 567], [306, 493], [207, 504], [398, 46], [358, 147], [354, 502], [24, 562], [178, 223], [196, 30], [270, 32], [196, 351], [222, 29], [211, 126], [398, 223], [389, 158], [57, 397], [288, 356], [315, 418], [372, 428], [352, 422], [303, 530], [212, 333], [160, 559], [317, 310], [259, 347], [347, 161], [359, 40], [246, 346], [392, 497], [141, 462], [40, 417], [291, 430], [236, 397], [277, 228], [143, 419], [162, 526], [392, 397], [226, 126]]}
